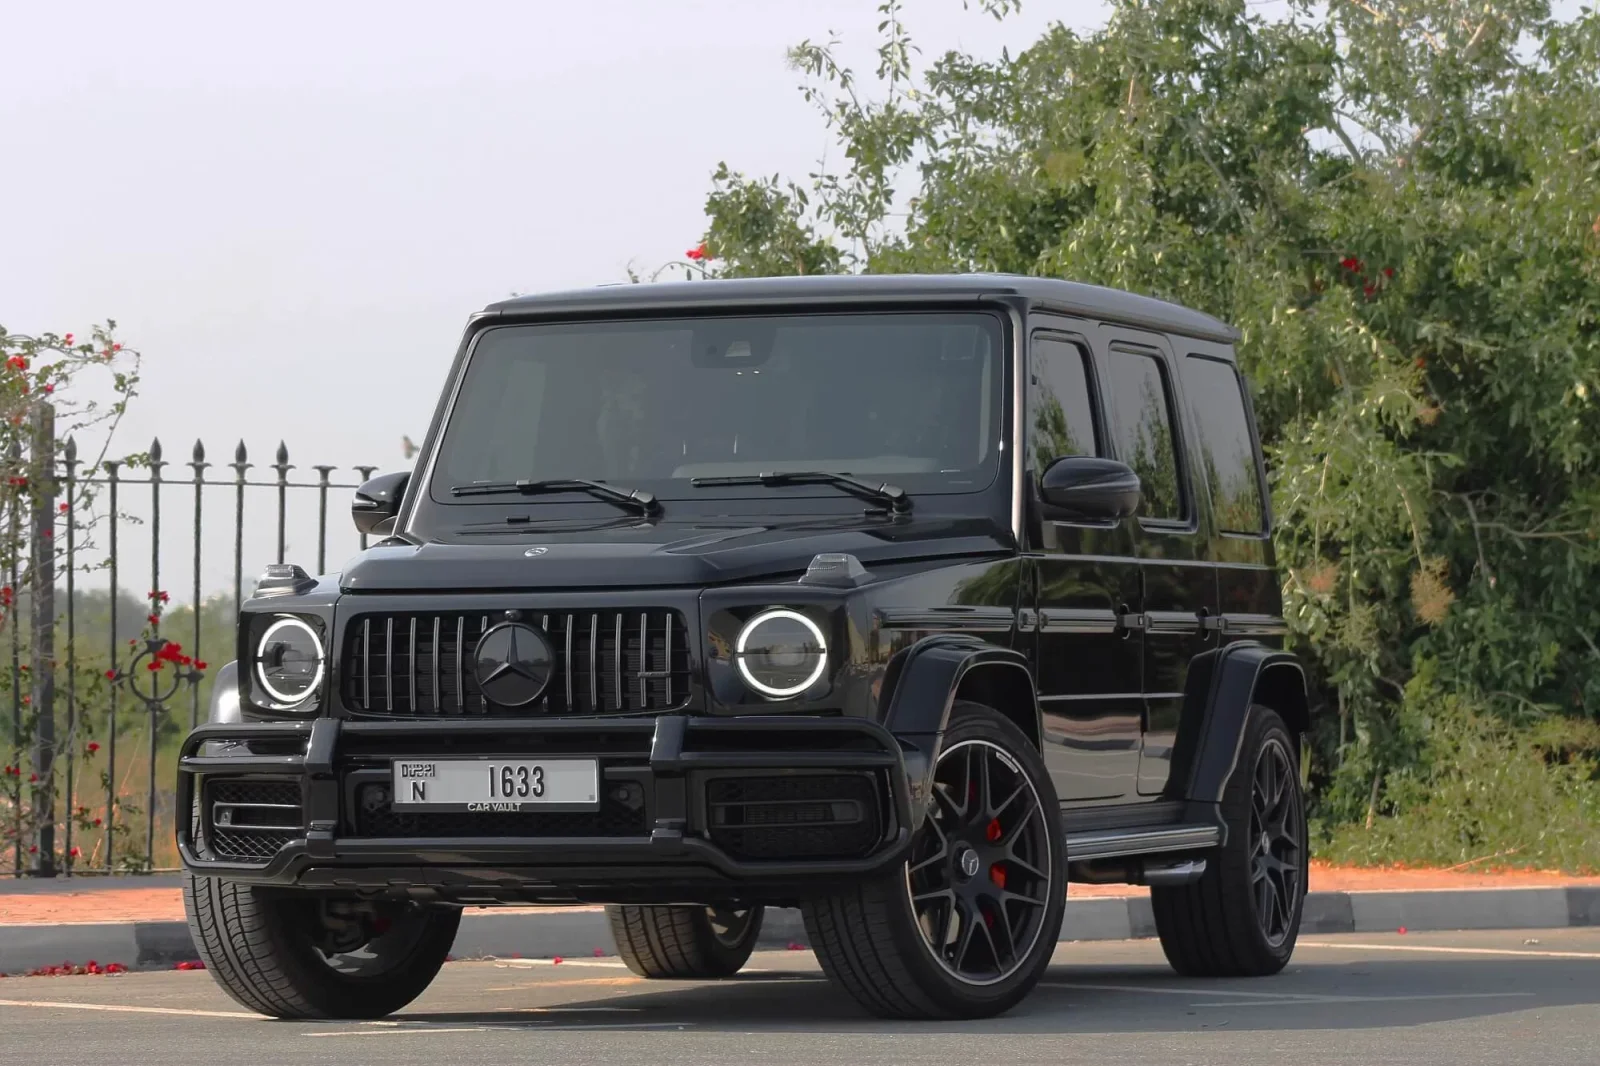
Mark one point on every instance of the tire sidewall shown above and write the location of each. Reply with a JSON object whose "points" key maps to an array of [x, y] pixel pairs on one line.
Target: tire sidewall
{"points": [[1264, 725], [974, 721]]}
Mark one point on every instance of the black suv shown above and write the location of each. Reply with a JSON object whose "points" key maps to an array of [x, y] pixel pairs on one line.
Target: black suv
{"points": [[902, 600]]}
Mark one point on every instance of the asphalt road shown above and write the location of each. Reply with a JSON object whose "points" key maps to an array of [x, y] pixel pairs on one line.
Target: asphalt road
{"points": [[1446, 998]]}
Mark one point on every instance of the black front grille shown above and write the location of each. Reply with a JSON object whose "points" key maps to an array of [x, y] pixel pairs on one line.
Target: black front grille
{"points": [[250, 820], [622, 813], [801, 816], [605, 662]]}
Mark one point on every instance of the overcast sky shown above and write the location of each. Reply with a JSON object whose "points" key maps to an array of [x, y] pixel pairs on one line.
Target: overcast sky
{"points": [[292, 208]]}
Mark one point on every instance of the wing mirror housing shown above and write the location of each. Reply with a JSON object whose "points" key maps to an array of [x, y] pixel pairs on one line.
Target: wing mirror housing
{"points": [[377, 503], [1089, 489]]}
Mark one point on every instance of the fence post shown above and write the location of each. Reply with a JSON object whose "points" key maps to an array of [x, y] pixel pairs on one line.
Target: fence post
{"points": [[69, 459], [42, 607]]}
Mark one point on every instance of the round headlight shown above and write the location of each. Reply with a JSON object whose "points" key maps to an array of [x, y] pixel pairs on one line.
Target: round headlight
{"points": [[781, 652], [289, 661]]}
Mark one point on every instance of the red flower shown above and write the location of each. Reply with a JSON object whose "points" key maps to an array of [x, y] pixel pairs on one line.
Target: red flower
{"points": [[97, 823], [17, 362], [111, 675], [1350, 262], [33, 849], [1422, 364], [1368, 289], [67, 340], [698, 252], [48, 389], [64, 508], [152, 666], [75, 852], [172, 652], [47, 532], [199, 664], [18, 482], [117, 347], [153, 619], [94, 746], [33, 779], [1388, 272], [157, 594]]}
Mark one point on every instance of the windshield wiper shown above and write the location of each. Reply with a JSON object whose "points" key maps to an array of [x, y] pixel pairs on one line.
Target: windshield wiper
{"points": [[891, 496], [643, 502]]}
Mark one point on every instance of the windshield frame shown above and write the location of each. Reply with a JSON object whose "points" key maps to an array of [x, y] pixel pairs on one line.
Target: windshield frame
{"points": [[428, 491]]}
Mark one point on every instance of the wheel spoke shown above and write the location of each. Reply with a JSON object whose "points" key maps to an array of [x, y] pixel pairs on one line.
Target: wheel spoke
{"points": [[1001, 807], [933, 894], [1013, 862], [988, 938], [985, 786], [964, 944], [1265, 891]]}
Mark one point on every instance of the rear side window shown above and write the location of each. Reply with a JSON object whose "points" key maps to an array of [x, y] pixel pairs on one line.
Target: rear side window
{"points": [[1060, 415], [1216, 394], [1145, 437]]}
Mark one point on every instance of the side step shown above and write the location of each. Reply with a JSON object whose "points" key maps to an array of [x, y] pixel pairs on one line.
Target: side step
{"points": [[1140, 840], [1141, 855]]}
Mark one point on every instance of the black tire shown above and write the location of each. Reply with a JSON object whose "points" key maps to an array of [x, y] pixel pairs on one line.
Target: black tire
{"points": [[685, 943], [870, 936], [1219, 926], [258, 944]]}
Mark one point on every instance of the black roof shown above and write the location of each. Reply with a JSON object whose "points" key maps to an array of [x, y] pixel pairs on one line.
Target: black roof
{"points": [[1088, 301]]}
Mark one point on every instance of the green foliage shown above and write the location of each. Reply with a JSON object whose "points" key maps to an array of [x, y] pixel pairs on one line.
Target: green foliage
{"points": [[1399, 207]]}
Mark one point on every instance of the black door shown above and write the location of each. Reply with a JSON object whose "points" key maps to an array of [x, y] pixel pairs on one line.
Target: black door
{"points": [[1180, 583], [1089, 665], [1228, 463]]}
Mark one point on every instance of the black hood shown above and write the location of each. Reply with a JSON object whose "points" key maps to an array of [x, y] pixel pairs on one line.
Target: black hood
{"points": [[661, 554]]}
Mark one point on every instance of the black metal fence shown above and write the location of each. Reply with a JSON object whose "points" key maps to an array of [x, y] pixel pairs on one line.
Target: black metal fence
{"points": [[105, 681]]}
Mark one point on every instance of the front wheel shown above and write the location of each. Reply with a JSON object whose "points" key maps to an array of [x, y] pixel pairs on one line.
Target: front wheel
{"points": [[293, 954], [966, 927], [1241, 919]]}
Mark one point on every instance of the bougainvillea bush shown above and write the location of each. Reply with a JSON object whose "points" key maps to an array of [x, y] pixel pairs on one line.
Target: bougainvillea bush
{"points": [[56, 390], [1399, 206]]}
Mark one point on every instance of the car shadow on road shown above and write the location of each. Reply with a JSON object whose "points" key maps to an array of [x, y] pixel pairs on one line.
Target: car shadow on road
{"points": [[1332, 995]]}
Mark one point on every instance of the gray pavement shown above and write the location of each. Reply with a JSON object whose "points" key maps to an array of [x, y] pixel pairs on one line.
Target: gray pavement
{"points": [[1430, 998]]}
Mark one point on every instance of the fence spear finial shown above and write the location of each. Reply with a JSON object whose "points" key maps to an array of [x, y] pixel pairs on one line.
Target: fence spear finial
{"points": [[199, 455], [70, 451], [155, 451], [239, 454]]}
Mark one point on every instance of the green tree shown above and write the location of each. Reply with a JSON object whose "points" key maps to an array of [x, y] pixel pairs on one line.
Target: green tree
{"points": [[1398, 204]]}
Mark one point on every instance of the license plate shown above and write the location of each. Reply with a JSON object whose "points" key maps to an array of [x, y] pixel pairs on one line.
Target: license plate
{"points": [[496, 784]]}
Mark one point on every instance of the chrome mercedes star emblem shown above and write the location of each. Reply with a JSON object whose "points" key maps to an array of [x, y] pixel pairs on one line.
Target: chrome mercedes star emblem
{"points": [[513, 663], [534, 553]]}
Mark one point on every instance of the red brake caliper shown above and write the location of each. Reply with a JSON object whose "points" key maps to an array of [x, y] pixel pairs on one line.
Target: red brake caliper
{"points": [[997, 871]]}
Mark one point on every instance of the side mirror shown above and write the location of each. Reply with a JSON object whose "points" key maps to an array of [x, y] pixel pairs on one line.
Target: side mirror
{"points": [[1098, 490], [378, 502]]}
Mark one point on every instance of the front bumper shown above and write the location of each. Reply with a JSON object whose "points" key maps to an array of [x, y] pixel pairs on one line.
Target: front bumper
{"points": [[669, 845]]}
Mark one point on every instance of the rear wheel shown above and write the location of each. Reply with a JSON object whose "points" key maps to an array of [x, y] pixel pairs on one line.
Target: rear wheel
{"points": [[685, 943], [1241, 919], [967, 925], [297, 955]]}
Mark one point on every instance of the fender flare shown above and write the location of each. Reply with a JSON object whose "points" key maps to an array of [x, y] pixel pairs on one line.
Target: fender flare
{"points": [[920, 685], [1222, 684]]}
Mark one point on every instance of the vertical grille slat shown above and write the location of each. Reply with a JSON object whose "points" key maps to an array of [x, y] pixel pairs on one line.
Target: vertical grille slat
{"points": [[644, 660], [411, 667], [461, 664], [388, 664], [621, 661], [594, 662], [438, 674]]}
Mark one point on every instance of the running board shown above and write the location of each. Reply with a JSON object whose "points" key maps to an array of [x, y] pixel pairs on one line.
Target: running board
{"points": [[1148, 840]]}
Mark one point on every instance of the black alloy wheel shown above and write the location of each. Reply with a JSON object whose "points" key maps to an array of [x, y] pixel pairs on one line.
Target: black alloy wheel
{"points": [[1277, 842], [1242, 917], [979, 877]]}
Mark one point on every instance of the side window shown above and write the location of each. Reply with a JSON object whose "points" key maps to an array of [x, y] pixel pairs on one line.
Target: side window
{"points": [[1060, 414], [1215, 392], [1145, 438]]}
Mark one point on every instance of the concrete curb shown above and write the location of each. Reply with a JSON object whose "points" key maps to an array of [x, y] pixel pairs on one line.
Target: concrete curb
{"points": [[578, 934]]}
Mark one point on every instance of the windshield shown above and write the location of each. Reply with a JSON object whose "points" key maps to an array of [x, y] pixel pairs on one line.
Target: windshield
{"points": [[912, 398]]}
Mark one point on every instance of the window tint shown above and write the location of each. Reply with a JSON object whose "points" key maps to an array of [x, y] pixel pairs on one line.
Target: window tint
{"points": [[1060, 417], [1145, 439], [1214, 392]]}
